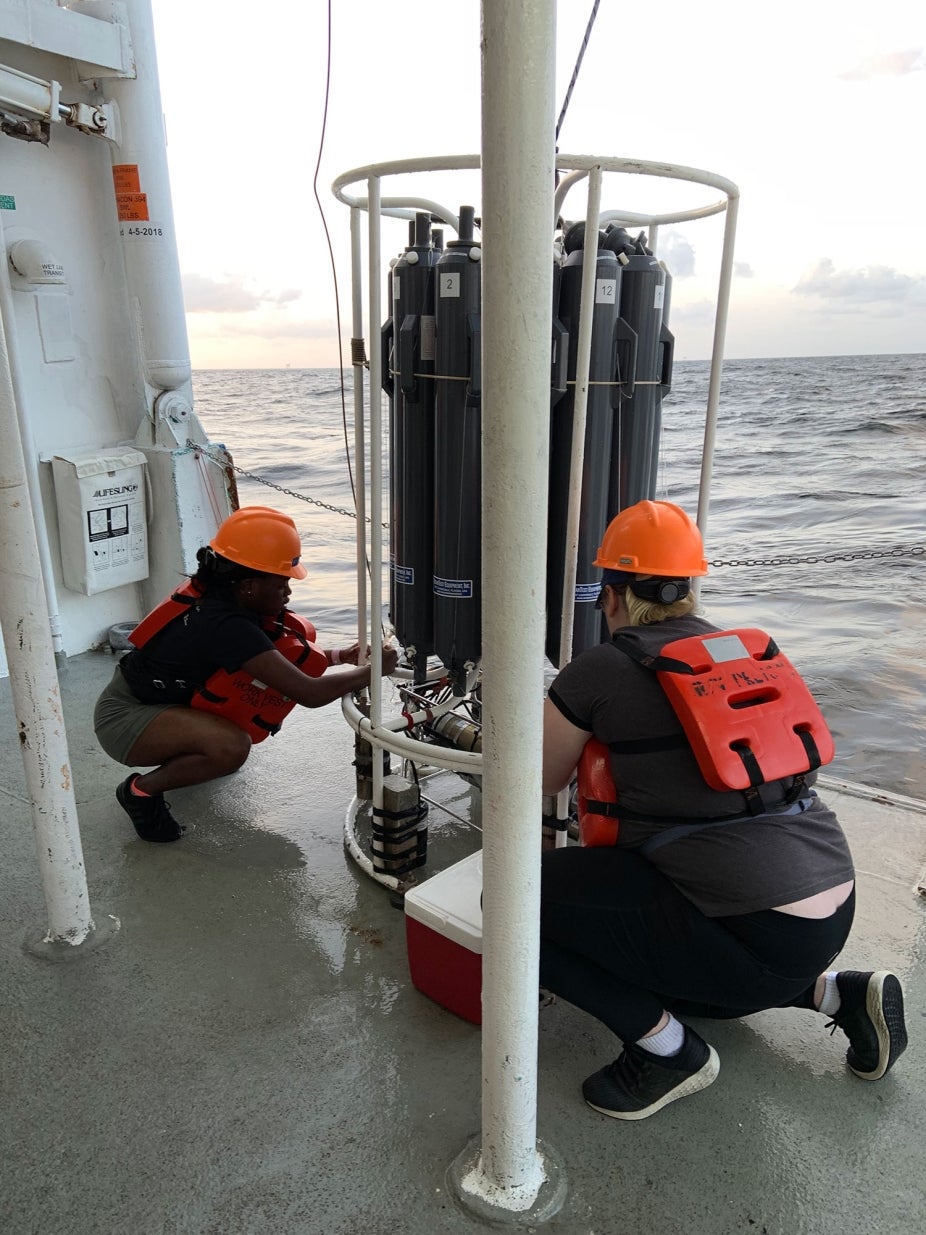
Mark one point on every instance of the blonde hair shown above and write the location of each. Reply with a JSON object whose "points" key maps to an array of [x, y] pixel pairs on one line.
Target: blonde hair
{"points": [[646, 612]]}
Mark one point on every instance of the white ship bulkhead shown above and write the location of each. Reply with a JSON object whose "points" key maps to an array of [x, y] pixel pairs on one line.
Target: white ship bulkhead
{"points": [[96, 360]]}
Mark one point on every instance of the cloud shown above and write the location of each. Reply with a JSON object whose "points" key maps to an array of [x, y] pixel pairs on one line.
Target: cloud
{"points": [[887, 64], [872, 285], [202, 294], [677, 254]]}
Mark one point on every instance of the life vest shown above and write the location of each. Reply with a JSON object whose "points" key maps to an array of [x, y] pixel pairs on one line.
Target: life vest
{"points": [[256, 708], [746, 711], [598, 821]]}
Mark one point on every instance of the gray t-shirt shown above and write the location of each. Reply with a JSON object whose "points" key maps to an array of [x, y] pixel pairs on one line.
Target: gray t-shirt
{"points": [[738, 867]]}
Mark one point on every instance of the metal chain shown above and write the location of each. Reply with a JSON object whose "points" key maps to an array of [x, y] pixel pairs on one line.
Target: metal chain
{"points": [[302, 497], [812, 560], [862, 555]]}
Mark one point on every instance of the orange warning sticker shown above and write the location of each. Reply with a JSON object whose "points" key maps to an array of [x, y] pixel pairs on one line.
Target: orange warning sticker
{"points": [[132, 206], [125, 178]]}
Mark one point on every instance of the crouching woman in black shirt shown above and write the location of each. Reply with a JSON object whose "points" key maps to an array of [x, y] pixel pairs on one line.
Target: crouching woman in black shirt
{"points": [[144, 715], [712, 902]]}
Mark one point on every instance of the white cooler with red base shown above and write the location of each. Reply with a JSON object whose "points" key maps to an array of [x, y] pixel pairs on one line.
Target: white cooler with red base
{"points": [[443, 930]]}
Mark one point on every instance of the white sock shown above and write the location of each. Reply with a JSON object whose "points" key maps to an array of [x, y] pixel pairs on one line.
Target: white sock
{"points": [[830, 1003], [668, 1041]]}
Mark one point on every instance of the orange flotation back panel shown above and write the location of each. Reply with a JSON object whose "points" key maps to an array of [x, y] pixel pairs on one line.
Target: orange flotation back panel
{"points": [[598, 821], [745, 709]]}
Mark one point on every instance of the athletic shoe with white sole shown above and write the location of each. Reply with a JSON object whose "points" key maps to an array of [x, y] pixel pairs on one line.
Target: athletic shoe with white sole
{"points": [[639, 1083], [871, 1016]]}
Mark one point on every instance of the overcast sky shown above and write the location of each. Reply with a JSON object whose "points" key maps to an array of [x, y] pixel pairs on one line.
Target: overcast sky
{"points": [[814, 109]]}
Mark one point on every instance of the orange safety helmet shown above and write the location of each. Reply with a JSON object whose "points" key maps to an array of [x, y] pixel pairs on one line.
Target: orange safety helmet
{"points": [[261, 538], [653, 538]]}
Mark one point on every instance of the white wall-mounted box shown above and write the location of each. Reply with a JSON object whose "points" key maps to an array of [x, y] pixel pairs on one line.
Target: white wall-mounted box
{"points": [[101, 518]]}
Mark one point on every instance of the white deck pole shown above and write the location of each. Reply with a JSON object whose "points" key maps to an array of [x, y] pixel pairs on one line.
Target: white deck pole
{"points": [[32, 466], [720, 335], [580, 415], [35, 688], [376, 476], [577, 460], [376, 448], [360, 480], [517, 272]]}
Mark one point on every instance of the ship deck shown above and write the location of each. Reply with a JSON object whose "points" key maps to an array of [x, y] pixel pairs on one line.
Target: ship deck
{"points": [[247, 1053]]}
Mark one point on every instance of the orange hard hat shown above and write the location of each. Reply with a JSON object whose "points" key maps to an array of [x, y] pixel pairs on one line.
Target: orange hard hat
{"points": [[261, 538], [653, 538]]}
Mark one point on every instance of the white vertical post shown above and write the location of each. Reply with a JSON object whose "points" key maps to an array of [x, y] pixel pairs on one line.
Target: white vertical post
{"points": [[31, 461], [580, 412], [713, 390], [35, 688], [360, 481], [577, 459], [374, 193], [517, 289]]}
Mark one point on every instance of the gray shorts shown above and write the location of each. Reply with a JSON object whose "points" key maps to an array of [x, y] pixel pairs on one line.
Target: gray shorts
{"points": [[119, 719]]}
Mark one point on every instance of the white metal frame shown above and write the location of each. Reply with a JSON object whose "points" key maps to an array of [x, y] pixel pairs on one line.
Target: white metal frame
{"points": [[573, 169]]}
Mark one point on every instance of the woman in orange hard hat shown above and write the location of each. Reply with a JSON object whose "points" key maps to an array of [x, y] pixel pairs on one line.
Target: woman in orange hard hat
{"points": [[727, 886], [222, 627]]}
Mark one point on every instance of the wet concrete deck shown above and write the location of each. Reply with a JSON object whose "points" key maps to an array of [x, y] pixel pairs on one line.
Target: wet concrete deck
{"points": [[247, 1054]]}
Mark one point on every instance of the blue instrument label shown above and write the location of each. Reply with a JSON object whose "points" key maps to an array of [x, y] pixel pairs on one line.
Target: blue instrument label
{"points": [[459, 589]]}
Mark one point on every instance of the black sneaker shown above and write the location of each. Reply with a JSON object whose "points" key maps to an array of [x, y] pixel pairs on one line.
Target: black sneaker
{"points": [[640, 1083], [150, 816], [871, 1016]]}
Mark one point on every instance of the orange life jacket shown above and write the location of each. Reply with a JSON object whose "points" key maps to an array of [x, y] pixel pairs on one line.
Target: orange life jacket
{"points": [[598, 821], [746, 711], [257, 709]]}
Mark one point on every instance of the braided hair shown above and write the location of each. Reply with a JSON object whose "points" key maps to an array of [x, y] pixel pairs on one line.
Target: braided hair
{"points": [[216, 575]]}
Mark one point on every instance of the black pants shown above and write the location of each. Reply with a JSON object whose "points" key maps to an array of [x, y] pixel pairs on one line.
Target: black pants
{"points": [[619, 940]]}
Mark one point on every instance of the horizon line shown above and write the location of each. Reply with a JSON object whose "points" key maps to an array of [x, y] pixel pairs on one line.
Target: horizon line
{"points": [[684, 360]]}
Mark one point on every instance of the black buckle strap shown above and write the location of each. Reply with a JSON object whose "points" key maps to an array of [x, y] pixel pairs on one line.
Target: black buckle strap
{"points": [[797, 789], [681, 828], [811, 748], [610, 809], [658, 664]]}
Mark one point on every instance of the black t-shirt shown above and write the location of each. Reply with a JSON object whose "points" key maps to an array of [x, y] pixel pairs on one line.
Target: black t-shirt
{"points": [[742, 867], [213, 634]]}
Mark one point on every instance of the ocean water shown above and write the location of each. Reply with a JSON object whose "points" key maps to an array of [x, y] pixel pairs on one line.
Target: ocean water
{"points": [[815, 458]]}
